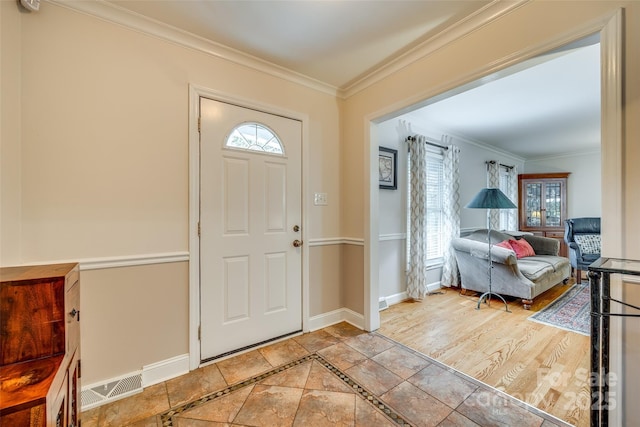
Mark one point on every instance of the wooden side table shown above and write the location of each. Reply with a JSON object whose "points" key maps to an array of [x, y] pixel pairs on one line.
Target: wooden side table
{"points": [[599, 280]]}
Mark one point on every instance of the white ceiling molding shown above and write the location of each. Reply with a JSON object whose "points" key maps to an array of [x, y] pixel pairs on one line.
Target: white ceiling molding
{"points": [[484, 16], [112, 13], [417, 124], [117, 15]]}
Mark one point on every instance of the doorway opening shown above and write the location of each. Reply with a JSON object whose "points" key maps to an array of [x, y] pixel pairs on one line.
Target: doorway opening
{"points": [[610, 119]]}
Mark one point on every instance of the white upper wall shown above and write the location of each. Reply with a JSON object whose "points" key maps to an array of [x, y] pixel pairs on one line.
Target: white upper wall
{"points": [[584, 195]]}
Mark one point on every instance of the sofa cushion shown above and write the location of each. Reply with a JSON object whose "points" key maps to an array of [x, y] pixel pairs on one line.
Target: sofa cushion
{"points": [[522, 248], [535, 267], [588, 243]]}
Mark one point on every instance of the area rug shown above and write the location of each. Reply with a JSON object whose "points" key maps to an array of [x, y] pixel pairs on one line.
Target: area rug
{"points": [[571, 311]]}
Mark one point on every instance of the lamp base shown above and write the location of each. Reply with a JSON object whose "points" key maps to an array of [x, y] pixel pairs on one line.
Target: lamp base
{"points": [[487, 295]]}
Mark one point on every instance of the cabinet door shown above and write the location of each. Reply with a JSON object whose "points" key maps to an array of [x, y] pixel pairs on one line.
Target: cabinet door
{"points": [[74, 391], [533, 204], [57, 410], [553, 204], [543, 202], [72, 309]]}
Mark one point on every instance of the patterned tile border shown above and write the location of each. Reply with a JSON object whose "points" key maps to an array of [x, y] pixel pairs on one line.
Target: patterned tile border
{"points": [[167, 417]]}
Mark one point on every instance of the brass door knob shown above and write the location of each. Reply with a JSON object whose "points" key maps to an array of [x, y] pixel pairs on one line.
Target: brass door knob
{"points": [[297, 243]]}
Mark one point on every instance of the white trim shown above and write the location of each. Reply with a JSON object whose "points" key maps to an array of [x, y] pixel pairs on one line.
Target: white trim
{"points": [[121, 261], [397, 298], [336, 316], [626, 278], [484, 16], [114, 14], [394, 236], [165, 370], [195, 92], [194, 219], [402, 296], [336, 241], [112, 389], [565, 155], [612, 166]]}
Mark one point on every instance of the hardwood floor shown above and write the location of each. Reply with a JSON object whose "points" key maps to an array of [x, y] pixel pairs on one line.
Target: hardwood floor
{"points": [[544, 366]]}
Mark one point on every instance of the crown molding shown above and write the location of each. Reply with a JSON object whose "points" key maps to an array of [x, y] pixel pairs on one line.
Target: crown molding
{"points": [[416, 124], [482, 17], [117, 15]]}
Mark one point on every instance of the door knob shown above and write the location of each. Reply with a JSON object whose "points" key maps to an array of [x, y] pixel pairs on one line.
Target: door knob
{"points": [[297, 243]]}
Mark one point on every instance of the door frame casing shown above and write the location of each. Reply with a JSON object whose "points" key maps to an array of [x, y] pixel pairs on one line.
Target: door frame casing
{"points": [[195, 93]]}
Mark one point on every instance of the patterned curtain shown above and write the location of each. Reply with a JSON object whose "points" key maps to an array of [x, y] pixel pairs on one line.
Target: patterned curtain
{"points": [[493, 181], [416, 274], [512, 194], [451, 214]]}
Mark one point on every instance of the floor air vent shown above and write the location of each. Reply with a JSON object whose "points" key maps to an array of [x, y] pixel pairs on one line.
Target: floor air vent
{"points": [[97, 395], [382, 304]]}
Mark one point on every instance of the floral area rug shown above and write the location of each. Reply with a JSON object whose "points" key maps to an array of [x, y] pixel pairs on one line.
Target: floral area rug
{"points": [[571, 311]]}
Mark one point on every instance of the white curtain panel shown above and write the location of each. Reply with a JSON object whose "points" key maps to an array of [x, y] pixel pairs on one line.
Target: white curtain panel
{"points": [[416, 274], [493, 181], [512, 194], [451, 214]]}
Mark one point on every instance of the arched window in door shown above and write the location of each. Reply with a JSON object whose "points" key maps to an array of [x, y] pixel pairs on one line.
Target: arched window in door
{"points": [[254, 137]]}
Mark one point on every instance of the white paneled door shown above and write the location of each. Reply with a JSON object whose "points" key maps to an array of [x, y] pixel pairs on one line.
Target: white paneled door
{"points": [[250, 219]]}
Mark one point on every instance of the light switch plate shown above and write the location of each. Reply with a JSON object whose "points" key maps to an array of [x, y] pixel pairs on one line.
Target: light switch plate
{"points": [[320, 199]]}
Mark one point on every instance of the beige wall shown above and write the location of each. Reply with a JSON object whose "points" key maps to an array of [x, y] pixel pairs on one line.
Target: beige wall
{"points": [[325, 277], [98, 168], [10, 163], [132, 317]]}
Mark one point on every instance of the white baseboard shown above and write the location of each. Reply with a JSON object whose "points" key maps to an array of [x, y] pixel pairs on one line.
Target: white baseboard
{"points": [[336, 316], [107, 391], [396, 298], [165, 370], [402, 296]]}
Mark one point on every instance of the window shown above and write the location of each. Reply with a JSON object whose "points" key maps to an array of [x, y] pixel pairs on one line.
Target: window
{"points": [[435, 190], [505, 188], [508, 185], [254, 137]]}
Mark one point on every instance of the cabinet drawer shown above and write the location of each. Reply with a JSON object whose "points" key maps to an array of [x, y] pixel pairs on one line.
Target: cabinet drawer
{"points": [[555, 234]]}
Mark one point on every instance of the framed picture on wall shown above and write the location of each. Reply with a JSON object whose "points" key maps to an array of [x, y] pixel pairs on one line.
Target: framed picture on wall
{"points": [[387, 168]]}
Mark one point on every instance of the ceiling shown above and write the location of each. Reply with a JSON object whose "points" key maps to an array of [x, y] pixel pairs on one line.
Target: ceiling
{"points": [[550, 105], [544, 107], [335, 42]]}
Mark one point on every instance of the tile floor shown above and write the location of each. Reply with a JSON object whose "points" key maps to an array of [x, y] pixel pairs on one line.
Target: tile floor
{"points": [[337, 376]]}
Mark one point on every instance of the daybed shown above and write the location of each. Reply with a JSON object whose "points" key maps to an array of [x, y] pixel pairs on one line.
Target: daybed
{"points": [[523, 278]]}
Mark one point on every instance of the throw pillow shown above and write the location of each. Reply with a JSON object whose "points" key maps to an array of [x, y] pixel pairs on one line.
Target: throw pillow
{"points": [[588, 243], [522, 248], [504, 244]]}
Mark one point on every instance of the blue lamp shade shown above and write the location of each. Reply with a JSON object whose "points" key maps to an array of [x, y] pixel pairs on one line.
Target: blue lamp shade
{"points": [[491, 198]]}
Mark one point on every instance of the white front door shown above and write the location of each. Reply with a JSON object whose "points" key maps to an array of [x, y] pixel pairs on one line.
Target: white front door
{"points": [[250, 216]]}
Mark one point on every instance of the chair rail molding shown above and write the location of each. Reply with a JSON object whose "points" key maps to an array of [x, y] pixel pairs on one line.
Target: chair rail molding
{"points": [[101, 263]]}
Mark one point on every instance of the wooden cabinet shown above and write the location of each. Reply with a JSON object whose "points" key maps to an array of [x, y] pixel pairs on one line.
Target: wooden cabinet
{"points": [[542, 205], [40, 346]]}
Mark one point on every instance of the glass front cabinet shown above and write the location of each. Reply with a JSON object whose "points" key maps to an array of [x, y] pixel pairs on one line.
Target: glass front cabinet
{"points": [[543, 205]]}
